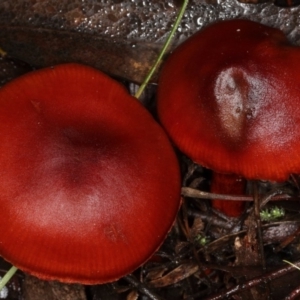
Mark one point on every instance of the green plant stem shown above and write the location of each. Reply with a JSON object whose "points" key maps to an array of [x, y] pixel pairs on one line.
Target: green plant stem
{"points": [[163, 50], [7, 277], [296, 267]]}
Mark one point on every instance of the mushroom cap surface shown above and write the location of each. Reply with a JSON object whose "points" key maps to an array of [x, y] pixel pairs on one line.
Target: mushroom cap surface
{"points": [[90, 184], [229, 98]]}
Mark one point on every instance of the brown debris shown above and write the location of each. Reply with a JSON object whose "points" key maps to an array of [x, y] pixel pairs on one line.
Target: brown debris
{"points": [[36, 289]]}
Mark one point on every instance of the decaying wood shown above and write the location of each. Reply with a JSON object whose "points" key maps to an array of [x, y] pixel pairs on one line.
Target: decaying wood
{"points": [[50, 47]]}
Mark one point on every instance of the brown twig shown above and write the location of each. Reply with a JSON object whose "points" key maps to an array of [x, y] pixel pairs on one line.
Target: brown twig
{"points": [[193, 193], [142, 288], [294, 294]]}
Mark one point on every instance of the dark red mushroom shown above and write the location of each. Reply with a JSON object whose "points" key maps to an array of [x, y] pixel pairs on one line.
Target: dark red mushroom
{"points": [[84, 192], [229, 97]]}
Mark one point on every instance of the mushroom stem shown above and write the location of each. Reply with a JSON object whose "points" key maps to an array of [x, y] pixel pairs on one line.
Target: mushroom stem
{"points": [[228, 184]]}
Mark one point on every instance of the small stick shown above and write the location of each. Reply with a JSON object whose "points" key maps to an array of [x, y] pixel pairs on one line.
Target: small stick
{"points": [[141, 287], [294, 295], [193, 193]]}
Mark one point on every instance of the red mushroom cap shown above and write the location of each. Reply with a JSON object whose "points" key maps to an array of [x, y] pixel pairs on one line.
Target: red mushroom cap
{"points": [[84, 192], [229, 97]]}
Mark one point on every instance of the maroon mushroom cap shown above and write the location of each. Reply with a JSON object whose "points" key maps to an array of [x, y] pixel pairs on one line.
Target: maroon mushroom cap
{"points": [[229, 97], [90, 184]]}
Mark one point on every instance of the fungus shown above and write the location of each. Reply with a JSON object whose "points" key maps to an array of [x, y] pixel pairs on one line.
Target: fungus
{"points": [[229, 98], [84, 192]]}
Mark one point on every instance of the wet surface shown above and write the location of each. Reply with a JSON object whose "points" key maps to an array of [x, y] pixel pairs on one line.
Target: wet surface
{"points": [[147, 20], [119, 37]]}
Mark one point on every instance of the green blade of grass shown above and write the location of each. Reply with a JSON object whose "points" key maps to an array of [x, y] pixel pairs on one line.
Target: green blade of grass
{"points": [[291, 264], [10, 273], [163, 50]]}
